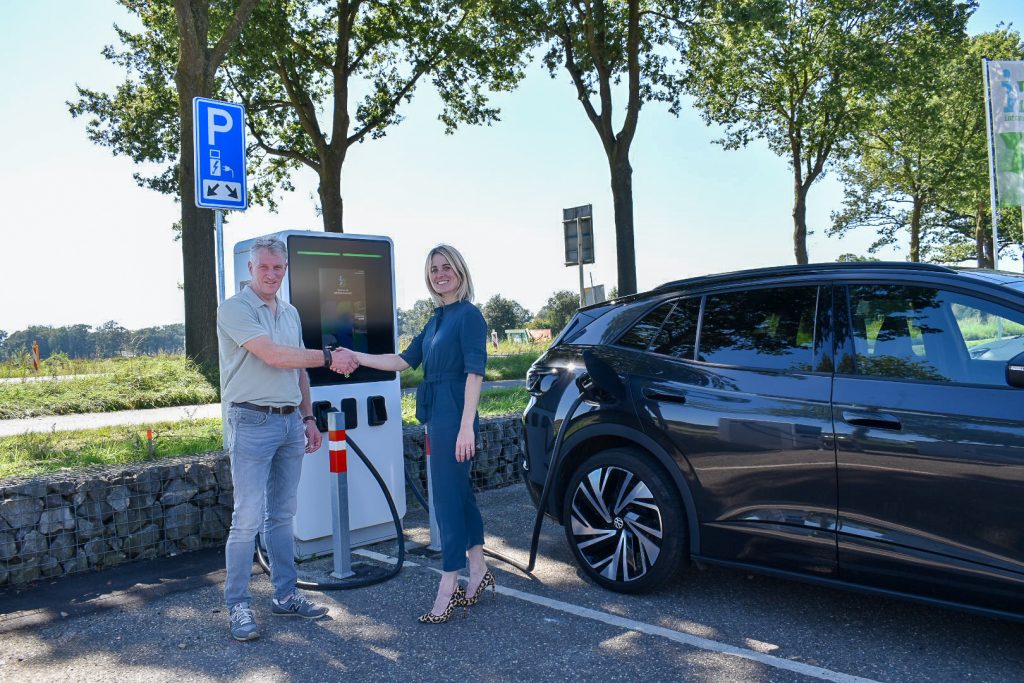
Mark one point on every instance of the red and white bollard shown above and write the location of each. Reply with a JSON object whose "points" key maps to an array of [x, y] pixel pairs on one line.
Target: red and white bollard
{"points": [[339, 501]]}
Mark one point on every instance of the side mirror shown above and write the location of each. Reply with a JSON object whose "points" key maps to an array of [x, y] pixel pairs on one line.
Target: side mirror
{"points": [[1015, 371], [602, 378]]}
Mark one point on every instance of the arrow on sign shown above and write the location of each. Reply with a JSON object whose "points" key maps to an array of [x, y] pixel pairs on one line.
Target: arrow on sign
{"points": [[211, 191], [232, 192]]}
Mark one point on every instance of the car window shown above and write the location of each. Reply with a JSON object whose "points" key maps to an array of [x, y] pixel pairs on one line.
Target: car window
{"points": [[761, 328], [678, 336], [642, 334], [922, 333]]}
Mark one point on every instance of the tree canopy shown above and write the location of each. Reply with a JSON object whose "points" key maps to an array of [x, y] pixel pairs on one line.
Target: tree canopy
{"points": [[802, 74], [558, 311], [920, 164], [504, 314]]}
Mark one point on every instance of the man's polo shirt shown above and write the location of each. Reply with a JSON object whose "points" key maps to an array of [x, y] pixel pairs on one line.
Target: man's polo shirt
{"points": [[243, 376]]}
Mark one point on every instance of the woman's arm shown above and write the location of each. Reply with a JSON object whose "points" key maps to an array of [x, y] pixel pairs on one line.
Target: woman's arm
{"points": [[465, 444], [384, 361]]}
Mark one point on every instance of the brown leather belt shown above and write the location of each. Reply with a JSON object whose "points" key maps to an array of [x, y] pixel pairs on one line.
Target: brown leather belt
{"points": [[273, 410]]}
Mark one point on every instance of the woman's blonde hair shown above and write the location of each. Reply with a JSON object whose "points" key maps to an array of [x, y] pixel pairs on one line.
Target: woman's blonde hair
{"points": [[465, 291]]}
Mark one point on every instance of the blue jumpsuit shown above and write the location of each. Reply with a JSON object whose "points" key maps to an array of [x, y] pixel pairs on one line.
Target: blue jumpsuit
{"points": [[452, 345]]}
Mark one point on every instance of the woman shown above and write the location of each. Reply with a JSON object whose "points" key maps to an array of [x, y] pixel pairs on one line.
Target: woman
{"points": [[453, 350]]}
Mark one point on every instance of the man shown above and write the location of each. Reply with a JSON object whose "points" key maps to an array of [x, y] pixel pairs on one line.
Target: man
{"points": [[266, 390]]}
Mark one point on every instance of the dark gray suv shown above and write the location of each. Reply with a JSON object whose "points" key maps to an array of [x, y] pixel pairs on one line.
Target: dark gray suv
{"points": [[849, 424]]}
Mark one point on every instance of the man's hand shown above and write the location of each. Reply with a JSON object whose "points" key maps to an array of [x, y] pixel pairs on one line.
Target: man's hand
{"points": [[343, 361], [313, 436]]}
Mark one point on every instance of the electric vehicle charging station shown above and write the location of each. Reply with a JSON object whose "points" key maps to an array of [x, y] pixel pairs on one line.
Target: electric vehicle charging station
{"points": [[343, 286]]}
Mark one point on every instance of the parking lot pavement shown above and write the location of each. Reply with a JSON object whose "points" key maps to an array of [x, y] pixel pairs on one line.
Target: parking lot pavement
{"points": [[712, 625]]}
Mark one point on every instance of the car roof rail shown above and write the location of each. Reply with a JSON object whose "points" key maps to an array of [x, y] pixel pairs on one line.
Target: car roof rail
{"points": [[807, 268]]}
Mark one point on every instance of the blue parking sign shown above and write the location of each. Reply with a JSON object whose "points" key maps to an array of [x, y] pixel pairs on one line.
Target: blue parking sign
{"points": [[219, 129]]}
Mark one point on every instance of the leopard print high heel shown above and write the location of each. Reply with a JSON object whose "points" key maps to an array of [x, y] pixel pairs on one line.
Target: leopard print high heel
{"points": [[487, 580], [458, 599]]}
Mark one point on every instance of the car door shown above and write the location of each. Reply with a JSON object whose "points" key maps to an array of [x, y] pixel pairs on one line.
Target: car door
{"points": [[930, 443], [747, 406]]}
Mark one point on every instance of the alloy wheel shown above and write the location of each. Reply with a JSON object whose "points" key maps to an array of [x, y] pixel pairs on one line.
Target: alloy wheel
{"points": [[616, 524]]}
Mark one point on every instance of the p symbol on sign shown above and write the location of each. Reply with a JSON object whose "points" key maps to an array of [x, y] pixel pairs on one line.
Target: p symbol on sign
{"points": [[213, 115]]}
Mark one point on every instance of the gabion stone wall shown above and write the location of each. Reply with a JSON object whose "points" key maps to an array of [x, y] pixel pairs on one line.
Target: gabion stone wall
{"points": [[94, 518], [498, 461]]}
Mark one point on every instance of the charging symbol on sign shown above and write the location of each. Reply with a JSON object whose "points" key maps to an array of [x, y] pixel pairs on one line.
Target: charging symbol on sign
{"points": [[215, 162]]}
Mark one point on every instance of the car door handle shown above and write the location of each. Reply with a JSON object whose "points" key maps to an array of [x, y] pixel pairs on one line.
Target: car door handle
{"points": [[664, 395], [876, 420]]}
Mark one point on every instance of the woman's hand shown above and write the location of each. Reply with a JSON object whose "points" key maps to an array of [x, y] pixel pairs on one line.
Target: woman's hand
{"points": [[465, 444]]}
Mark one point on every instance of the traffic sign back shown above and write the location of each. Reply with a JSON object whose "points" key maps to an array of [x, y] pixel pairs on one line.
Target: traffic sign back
{"points": [[219, 154]]}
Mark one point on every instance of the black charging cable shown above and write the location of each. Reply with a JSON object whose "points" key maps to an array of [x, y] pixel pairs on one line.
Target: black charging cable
{"points": [[363, 576]]}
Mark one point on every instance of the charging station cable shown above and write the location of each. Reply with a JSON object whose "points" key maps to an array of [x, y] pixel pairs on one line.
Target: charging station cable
{"points": [[366, 579]]}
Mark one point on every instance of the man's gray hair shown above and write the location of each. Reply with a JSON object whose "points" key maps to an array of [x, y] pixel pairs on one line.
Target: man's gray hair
{"points": [[271, 244]]}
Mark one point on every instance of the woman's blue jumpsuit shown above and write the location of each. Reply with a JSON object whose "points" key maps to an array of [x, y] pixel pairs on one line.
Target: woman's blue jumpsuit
{"points": [[452, 345]]}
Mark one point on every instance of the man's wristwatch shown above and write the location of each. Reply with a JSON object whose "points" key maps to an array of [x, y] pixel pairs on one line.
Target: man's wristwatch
{"points": [[328, 359], [309, 418]]}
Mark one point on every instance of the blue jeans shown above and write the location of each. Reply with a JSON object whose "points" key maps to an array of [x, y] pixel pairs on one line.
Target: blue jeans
{"points": [[266, 460]]}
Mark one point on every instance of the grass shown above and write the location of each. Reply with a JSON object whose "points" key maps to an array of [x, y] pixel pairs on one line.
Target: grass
{"points": [[127, 384], [29, 454], [58, 365], [155, 382], [498, 368], [493, 402]]}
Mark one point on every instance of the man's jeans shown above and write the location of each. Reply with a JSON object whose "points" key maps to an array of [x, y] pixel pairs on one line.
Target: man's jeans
{"points": [[266, 460]]}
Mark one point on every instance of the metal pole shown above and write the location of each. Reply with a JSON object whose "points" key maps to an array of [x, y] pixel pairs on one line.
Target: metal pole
{"points": [[219, 223], [342, 544], [435, 531], [579, 260], [991, 165]]}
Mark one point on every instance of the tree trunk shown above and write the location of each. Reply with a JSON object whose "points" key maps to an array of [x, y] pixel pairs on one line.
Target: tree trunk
{"points": [[915, 230], [625, 251], [197, 236], [982, 237], [799, 222], [331, 204]]}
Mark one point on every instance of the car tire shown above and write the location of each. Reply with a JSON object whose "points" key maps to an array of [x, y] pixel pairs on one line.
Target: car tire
{"points": [[624, 521]]}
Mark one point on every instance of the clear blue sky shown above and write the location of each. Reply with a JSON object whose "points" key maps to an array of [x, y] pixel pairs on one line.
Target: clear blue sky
{"points": [[84, 244]]}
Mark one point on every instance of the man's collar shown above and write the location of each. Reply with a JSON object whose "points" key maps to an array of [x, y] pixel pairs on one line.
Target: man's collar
{"points": [[253, 297]]}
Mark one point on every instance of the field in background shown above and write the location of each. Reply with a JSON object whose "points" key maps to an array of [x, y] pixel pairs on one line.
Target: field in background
{"points": [[97, 386], [29, 454]]}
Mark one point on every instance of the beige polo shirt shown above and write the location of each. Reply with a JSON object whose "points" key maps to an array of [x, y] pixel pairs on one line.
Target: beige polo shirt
{"points": [[243, 376]]}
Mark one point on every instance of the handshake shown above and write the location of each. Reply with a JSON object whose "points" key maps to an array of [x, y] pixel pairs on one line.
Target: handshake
{"points": [[343, 361]]}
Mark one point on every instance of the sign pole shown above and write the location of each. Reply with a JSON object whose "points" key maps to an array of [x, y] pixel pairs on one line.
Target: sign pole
{"points": [[991, 165], [219, 227], [579, 258]]}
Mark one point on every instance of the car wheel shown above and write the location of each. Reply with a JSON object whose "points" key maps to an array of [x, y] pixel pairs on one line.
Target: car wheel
{"points": [[624, 521]]}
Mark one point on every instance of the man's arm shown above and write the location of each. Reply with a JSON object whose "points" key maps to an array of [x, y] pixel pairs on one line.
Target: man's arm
{"points": [[313, 436], [292, 358]]}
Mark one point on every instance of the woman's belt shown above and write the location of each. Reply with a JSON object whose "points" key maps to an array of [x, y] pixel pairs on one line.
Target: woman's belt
{"points": [[425, 392]]}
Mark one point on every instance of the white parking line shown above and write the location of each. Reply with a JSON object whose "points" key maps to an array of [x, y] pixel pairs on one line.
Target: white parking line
{"points": [[651, 629]]}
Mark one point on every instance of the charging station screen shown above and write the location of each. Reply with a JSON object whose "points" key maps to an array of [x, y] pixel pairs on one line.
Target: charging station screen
{"points": [[342, 289]]}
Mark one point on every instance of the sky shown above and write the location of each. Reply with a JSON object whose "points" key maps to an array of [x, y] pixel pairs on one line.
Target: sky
{"points": [[85, 244]]}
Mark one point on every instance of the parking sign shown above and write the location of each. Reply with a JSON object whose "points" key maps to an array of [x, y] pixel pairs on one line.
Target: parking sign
{"points": [[219, 129]]}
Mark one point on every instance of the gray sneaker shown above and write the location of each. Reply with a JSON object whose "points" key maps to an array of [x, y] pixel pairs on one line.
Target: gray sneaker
{"points": [[243, 626], [296, 605]]}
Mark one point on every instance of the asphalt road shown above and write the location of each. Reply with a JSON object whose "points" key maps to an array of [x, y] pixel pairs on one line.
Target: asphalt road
{"points": [[162, 620]]}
